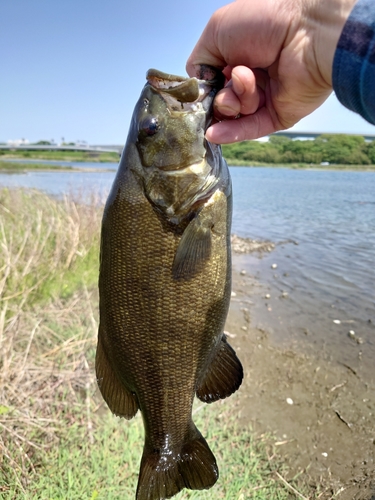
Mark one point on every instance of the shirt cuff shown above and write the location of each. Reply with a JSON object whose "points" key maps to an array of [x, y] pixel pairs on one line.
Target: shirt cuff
{"points": [[353, 71]]}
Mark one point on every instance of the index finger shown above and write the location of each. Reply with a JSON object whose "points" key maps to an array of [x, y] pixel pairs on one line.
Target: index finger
{"points": [[249, 85]]}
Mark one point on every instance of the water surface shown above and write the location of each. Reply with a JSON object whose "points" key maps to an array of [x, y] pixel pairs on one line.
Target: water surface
{"points": [[327, 269]]}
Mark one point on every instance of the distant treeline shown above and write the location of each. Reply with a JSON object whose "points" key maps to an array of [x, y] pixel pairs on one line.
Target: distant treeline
{"points": [[327, 148]]}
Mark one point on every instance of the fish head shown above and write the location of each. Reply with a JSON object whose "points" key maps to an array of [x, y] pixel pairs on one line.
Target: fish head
{"points": [[166, 151], [171, 118]]}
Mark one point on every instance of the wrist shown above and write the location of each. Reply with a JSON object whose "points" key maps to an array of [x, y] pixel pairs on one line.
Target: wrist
{"points": [[325, 20]]}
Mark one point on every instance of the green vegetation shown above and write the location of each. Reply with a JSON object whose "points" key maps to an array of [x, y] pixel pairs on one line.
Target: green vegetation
{"points": [[332, 150], [58, 440], [60, 155], [335, 149], [14, 167]]}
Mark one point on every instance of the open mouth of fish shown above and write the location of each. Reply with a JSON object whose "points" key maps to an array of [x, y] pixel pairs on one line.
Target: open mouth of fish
{"points": [[187, 94]]}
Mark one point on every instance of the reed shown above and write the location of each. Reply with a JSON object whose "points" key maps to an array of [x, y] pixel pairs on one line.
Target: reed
{"points": [[48, 264]]}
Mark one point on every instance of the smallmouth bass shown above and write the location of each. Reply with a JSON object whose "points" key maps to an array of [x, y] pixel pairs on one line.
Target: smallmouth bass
{"points": [[165, 281]]}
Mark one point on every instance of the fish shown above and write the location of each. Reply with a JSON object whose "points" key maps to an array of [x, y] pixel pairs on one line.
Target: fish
{"points": [[165, 281]]}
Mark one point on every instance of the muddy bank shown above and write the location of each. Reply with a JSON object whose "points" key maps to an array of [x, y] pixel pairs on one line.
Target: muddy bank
{"points": [[322, 413]]}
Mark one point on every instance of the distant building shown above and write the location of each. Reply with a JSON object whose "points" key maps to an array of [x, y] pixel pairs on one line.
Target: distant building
{"points": [[18, 142], [82, 144]]}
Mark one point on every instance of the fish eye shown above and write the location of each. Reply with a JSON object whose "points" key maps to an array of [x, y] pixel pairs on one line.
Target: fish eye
{"points": [[146, 102], [149, 126]]}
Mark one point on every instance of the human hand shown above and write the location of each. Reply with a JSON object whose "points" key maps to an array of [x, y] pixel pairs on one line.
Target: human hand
{"points": [[277, 57]]}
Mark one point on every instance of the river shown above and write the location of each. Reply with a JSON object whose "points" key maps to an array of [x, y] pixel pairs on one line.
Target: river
{"points": [[323, 223]]}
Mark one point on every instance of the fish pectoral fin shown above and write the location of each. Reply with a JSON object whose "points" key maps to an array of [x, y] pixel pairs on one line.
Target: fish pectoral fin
{"points": [[163, 475], [119, 399], [224, 375], [194, 248]]}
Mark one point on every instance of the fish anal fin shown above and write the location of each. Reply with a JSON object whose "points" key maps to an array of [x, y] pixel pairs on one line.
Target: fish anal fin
{"points": [[193, 250], [223, 377], [163, 475], [119, 399]]}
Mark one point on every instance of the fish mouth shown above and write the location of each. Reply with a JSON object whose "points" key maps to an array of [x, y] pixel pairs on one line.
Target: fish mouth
{"points": [[185, 94]]}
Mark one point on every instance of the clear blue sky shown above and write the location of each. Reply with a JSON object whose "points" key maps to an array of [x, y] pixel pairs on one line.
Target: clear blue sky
{"points": [[75, 68]]}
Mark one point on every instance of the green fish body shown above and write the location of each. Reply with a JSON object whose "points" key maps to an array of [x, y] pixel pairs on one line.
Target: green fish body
{"points": [[165, 282]]}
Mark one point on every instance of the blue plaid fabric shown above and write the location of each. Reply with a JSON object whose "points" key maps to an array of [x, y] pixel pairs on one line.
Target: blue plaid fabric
{"points": [[353, 72]]}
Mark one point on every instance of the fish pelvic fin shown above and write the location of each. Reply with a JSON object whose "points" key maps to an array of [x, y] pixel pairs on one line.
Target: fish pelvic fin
{"points": [[119, 399], [224, 375], [163, 475], [194, 249]]}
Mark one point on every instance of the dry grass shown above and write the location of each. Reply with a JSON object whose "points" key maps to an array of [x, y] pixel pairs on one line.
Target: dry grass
{"points": [[48, 251]]}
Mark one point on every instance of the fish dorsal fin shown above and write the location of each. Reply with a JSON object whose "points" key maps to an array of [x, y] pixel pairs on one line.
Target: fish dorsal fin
{"points": [[224, 375], [194, 248], [119, 399]]}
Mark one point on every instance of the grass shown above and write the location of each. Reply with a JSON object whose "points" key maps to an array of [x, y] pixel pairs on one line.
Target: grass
{"points": [[14, 167], [49, 248], [61, 155], [99, 458], [57, 438]]}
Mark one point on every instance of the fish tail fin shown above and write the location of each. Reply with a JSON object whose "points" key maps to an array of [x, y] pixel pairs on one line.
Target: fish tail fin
{"points": [[164, 475], [198, 464]]}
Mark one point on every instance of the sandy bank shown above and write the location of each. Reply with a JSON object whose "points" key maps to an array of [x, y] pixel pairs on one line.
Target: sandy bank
{"points": [[321, 413]]}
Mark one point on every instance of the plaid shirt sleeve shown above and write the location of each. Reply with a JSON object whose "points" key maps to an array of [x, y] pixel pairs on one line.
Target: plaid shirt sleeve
{"points": [[353, 72]]}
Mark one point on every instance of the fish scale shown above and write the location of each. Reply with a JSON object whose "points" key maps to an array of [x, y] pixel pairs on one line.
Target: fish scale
{"points": [[164, 283]]}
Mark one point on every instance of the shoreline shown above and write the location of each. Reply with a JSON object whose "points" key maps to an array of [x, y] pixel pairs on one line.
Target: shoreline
{"points": [[302, 166], [319, 411], [232, 162], [54, 170], [53, 156], [18, 167]]}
